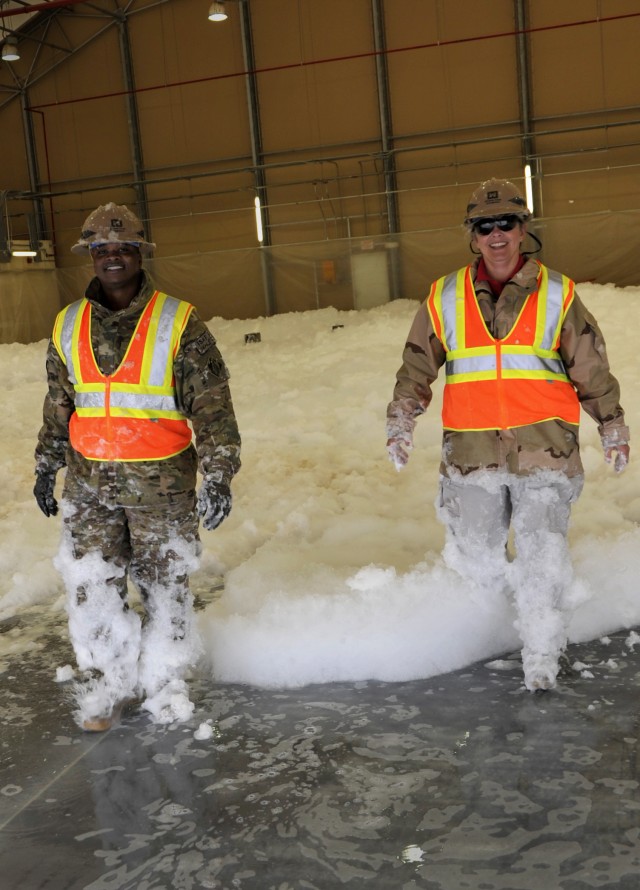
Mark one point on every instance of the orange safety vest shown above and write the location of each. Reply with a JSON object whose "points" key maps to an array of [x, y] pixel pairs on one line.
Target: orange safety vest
{"points": [[130, 415], [501, 384]]}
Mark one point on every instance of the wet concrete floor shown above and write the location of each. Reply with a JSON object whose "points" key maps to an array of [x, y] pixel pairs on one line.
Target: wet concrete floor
{"points": [[462, 781]]}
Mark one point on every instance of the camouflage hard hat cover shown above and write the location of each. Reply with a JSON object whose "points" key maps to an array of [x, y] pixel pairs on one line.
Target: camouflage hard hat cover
{"points": [[496, 197], [112, 223]]}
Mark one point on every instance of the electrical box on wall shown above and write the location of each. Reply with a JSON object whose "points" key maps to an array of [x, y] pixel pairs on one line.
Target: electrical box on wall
{"points": [[331, 271], [43, 259]]}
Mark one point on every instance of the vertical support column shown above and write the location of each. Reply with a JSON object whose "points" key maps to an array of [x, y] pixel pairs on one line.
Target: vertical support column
{"points": [[32, 166], [135, 142], [5, 253], [386, 136], [257, 156], [524, 92]]}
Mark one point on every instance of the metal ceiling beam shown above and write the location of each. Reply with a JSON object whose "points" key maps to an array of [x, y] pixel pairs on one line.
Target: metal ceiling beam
{"points": [[386, 136], [384, 110], [135, 141], [257, 156], [29, 9], [525, 99], [32, 165], [5, 251], [43, 22]]}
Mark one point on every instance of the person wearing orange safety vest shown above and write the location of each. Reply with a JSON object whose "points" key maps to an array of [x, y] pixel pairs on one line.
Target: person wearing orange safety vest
{"points": [[130, 415], [134, 375], [522, 355]]}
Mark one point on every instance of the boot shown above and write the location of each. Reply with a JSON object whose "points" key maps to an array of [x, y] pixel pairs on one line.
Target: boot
{"points": [[540, 670]]}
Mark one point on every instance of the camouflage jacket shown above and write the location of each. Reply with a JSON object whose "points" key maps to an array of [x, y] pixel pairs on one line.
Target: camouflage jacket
{"points": [[202, 394], [551, 444]]}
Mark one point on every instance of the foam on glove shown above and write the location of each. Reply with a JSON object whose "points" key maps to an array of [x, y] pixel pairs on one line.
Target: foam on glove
{"points": [[400, 427], [615, 441]]}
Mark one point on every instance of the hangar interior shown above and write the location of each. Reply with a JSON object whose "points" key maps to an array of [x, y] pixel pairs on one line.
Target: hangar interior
{"points": [[300, 154]]}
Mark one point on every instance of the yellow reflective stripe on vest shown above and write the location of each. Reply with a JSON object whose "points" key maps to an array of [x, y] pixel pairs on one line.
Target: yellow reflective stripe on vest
{"points": [[165, 329], [447, 292], [65, 332], [154, 395], [90, 402], [554, 287], [517, 361], [528, 361]]}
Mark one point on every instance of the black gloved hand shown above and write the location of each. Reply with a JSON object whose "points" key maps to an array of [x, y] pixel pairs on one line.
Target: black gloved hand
{"points": [[43, 491], [214, 501]]}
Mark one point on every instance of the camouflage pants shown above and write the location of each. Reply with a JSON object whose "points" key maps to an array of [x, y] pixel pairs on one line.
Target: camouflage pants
{"points": [[156, 547], [479, 513]]}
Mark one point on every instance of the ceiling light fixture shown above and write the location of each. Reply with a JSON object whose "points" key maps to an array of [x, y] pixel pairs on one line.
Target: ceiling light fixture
{"points": [[528, 185], [217, 12], [258, 212], [10, 50]]}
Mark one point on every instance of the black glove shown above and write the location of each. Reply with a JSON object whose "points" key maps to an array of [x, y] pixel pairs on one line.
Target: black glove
{"points": [[43, 491], [214, 501]]}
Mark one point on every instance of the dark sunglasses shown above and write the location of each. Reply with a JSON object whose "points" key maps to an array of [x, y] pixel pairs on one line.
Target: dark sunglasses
{"points": [[504, 223]]}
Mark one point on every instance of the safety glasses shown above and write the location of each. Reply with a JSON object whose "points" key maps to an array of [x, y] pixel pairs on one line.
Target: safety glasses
{"points": [[111, 248], [487, 225]]}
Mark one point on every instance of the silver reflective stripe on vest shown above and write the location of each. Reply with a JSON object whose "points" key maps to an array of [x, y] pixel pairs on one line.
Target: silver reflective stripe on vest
{"points": [[90, 399], [470, 365], [142, 402], [162, 345], [531, 363], [483, 360], [161, 348], [66, 338], [487, 363], [138, 402], [555, 294], [448, 303]]}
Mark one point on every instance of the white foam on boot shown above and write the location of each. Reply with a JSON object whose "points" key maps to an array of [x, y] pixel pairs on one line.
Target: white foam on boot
{"points": [[540, 670], [93, 699], [171, 704]]}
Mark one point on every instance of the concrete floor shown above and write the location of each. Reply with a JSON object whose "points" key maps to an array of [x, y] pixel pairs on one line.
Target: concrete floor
{"points": [[462, 781]]}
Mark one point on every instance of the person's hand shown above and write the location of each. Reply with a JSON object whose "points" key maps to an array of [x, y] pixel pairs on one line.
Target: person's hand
{"points": [[618, 455], [214, 501], [43, 491], [400, 428], [398, 450], [615, 444]]}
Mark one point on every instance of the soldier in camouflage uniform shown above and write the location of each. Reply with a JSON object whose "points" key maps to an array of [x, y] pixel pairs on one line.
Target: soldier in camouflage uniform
{"points": [[525, 472], [134, 518]]}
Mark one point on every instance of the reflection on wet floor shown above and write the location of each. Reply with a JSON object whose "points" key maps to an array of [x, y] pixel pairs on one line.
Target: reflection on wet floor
{"points": [[462, 781]]}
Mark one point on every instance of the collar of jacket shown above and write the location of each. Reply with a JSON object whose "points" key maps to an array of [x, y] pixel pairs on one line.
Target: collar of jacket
{"points": [[526, 278], [93, 293]]}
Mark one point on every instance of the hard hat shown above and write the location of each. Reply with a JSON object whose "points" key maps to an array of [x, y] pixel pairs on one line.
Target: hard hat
{"points": [[112, 223], [496, 197]]}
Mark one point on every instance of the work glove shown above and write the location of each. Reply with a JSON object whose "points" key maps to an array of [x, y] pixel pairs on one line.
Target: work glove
{"points": [[615, 442], [400, 426], [214, 501], [43, 491]]}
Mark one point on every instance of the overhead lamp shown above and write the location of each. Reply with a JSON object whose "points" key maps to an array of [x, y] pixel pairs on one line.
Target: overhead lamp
{"points": [[10, 50], [217, 12], [528, 185], [25, 252], [258, 212]]}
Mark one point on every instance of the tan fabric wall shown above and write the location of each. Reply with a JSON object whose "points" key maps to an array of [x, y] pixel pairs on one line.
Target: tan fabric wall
{"points": [[454, 104], [229, 284], [455, 118], [29, 302]]}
